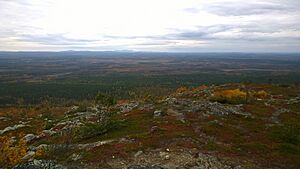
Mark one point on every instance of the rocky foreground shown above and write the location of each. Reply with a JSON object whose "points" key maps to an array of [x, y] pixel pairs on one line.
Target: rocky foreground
{"points": [[186, 129]]}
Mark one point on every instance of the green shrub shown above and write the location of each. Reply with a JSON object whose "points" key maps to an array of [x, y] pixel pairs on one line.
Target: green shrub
{"points": [[48, 125], [105, 100], [288, 135], [94, 129], [82, 108], [290, 148]]}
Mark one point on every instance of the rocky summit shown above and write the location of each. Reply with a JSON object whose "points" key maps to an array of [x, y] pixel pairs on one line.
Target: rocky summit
{"points": [[233, 126]]}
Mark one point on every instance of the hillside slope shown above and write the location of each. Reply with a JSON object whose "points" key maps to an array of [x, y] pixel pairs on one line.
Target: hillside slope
{"points": [[228, 126]]}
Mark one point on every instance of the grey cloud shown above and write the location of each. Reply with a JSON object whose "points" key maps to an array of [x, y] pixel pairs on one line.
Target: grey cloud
{"points": [[203, 32], [247, 8], [54, 39], [247, 32], [155, 43], [255, 31], [60, 40]]}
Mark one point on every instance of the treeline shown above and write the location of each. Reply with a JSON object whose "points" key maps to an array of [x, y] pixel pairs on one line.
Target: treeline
{"points": [[122, 86]]}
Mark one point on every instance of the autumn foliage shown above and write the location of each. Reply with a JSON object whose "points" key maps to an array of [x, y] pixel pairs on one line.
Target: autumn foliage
{"points": [[39, 153], [200, 88], [235, 96], [11, 152], [261, 94], [182, 90]]}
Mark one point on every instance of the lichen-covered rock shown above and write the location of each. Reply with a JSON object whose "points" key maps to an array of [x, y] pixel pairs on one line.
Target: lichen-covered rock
{"points": [[4, 118], [145, 167], [29, 155], [15, 127], [75, 157], [138, 153], [40, 164], [209, 162], [294, 101], [29, 137], [128, 107], [157, 113]]}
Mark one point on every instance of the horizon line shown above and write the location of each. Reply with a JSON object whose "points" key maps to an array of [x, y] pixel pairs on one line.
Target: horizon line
{"points": [[132, 51]]}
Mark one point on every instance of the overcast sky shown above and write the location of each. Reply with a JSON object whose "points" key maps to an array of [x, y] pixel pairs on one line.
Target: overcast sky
{"points": [[151, 25]]}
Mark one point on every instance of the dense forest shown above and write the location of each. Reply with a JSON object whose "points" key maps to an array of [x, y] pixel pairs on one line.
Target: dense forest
{"points": [[33, 77]]}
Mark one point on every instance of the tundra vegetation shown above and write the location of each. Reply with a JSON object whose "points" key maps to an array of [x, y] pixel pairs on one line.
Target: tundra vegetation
{"points": [[246, 125]]}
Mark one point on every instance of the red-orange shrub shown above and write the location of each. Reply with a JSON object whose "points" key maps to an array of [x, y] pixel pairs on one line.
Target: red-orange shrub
{"points": [[11, 153], [235, 96]]}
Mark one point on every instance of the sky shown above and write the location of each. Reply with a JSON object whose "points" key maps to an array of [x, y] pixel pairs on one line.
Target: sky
{"points": [[150, 25]]}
